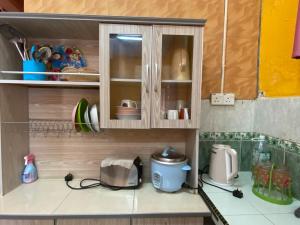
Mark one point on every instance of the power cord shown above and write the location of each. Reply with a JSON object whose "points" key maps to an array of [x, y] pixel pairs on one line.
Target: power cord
{"points": [[69, 177], [236, 193]]}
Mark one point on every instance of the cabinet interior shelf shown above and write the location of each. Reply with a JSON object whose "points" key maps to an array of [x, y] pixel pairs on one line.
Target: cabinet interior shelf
{"points": [[177, 81], [126, 80]]}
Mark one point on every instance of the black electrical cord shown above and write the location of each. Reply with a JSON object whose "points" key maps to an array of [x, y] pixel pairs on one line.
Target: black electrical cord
{"points": [[236, 193], [69, 177]]}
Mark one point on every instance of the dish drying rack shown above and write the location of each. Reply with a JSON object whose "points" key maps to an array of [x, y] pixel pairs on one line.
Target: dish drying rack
{"points": [[42, 127]]}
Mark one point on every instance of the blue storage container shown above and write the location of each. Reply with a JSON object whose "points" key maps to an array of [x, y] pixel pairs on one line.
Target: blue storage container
{"points": [[34, 66]]}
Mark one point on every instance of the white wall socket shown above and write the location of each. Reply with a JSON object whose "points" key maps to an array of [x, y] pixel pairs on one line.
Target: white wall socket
{"points": [[222, 99], [228, 99]]}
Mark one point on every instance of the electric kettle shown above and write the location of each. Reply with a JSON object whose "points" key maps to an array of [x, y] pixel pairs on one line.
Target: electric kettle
{"points": [[223, 164]]}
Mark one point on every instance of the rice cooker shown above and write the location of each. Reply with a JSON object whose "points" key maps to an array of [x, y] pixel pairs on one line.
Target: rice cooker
{"points": [[168, 170]]}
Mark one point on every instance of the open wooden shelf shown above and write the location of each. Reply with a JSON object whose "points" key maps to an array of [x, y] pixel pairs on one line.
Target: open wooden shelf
{"points": [[50, 73], [49, 83]]}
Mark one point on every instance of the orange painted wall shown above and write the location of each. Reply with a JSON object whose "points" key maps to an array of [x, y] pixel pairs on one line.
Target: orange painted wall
{"points": [[279, 73], [243, 30]]}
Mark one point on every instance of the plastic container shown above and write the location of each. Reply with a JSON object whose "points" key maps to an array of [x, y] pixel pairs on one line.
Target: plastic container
{"points": [[260, 152], [30, 173], [34, 66], [272, 184]]}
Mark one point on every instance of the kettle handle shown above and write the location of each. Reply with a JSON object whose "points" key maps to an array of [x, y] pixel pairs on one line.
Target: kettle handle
{"points": [[234, 164]]}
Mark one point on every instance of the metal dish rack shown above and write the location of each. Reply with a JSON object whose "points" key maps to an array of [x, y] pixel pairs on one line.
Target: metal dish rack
{"points": [[41, 127]]}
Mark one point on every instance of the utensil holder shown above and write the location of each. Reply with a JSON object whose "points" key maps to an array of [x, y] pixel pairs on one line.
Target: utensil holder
{"points": [[34, 66]]}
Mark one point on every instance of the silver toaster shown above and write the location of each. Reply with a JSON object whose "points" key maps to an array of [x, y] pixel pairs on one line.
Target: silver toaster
{"points": [[121, 172]]}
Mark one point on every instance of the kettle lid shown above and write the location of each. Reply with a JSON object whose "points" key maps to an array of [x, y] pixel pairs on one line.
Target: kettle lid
{"points": [[169, 154]]}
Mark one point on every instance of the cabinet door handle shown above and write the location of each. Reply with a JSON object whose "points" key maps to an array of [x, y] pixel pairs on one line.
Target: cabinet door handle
{"points": [[147, 79], [156, 77]]}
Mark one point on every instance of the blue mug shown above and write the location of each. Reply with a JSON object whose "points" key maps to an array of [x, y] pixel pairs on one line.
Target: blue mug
{"points": [[34, 66]]}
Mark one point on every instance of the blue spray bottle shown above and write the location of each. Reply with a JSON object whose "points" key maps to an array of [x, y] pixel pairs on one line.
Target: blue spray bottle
{"points": [[29, 174]]}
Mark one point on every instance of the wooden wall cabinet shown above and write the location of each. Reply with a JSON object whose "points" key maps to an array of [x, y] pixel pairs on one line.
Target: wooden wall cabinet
{"points": [[155, 62], [25, 222], [157, 66]]}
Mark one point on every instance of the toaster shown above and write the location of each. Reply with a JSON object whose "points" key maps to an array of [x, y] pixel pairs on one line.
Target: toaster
{"points": [[121, 173]]}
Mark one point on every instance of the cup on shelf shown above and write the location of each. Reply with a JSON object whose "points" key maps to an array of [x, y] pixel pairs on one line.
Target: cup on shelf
{"points": [[34, 66], [128, 103], [172, 114]]}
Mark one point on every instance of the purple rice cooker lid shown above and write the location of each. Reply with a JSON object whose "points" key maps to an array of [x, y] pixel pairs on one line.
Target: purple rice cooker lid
{"points": [[169, 155]]}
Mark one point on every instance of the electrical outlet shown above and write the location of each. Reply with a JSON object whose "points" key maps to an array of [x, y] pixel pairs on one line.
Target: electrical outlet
{"points": [[222, 99], [228, 99], [217, 99]]}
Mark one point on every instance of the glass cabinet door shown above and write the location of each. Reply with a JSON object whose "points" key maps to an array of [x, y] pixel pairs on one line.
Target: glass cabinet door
{"points": [[125, 60], [177, 63]]}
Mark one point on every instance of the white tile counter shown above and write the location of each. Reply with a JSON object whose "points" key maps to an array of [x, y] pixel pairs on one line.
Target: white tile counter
{"points": [[250, 209], [52, 198], [39, 198], [149, 201]]}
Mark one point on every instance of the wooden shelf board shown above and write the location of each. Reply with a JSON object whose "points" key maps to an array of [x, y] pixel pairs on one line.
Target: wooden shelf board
{"points": [[125, 80], [50, 73], [51, 83], [177, 81]]}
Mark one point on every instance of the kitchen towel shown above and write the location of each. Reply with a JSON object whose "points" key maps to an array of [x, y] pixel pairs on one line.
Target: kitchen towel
{"points": [[127, 163]]}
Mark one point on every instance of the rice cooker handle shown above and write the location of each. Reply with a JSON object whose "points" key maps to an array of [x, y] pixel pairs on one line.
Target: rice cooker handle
{"points": [[234, 163], [186, 168]]}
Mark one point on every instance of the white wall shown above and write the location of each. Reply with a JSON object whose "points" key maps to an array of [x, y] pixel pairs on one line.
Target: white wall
{"points": [[237, 118], [278, 117]]}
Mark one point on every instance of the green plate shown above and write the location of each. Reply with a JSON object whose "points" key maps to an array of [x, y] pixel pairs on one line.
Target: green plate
{"points": [[83, 103]]}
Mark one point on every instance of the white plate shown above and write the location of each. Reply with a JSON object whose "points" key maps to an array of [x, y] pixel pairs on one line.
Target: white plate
{"points": [[87, 119], [95, 118]]}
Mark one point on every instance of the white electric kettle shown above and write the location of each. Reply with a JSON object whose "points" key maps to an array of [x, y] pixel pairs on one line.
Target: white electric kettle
{"points": [[223, 164]]}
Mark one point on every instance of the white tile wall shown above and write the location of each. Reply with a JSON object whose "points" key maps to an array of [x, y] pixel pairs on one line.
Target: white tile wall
{"points": [[278, 117], [239, 117]]}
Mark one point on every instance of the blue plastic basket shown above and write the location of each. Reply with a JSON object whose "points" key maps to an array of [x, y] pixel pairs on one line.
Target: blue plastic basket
{"points": [[33, 66]]}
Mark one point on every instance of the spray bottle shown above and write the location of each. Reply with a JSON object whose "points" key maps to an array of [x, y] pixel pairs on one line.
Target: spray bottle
{"points": [[29, 174]]}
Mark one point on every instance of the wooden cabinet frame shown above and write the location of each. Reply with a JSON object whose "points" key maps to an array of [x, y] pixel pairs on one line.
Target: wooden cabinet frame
{"points": [[158, 32], [151, 75], [146, 32]]}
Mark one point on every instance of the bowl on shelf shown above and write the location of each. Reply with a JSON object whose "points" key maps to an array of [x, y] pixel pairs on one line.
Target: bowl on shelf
{"points": [[128, 113], [127, 110], [128, 116]]}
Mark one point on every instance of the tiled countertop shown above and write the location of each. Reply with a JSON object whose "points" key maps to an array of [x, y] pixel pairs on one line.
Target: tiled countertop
{"points": [[52, 198], [250, 209]]}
